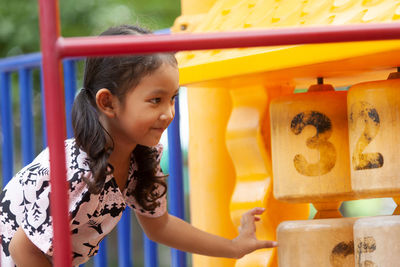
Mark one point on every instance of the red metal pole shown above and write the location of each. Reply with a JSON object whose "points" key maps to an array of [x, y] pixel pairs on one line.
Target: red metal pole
{"points": [[55, 48], [111, 45], [55, 123]]}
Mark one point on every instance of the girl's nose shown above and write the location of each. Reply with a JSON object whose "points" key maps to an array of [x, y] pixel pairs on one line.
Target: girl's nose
{"points": [[168, 114]]}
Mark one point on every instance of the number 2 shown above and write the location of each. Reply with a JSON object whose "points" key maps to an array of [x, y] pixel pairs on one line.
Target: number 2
{"points": [[367, 113]]}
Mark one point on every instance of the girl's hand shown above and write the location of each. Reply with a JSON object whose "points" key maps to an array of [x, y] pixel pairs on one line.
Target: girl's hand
{"points": [[246, 241]]}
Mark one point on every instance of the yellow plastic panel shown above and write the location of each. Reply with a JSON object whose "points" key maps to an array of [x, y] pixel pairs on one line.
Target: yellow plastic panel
{"points": [[196, 7], [245, 139], [211, 171], [328, 60], [228, 15]]}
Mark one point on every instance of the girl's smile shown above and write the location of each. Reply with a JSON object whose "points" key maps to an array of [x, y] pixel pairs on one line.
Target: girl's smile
{"points": [[159, 130]]}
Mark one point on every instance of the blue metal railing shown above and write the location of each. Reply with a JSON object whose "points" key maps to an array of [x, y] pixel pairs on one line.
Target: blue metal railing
{"points": [[70, 89], [24, 66], [125, 247], [26, 109], [6, 127], [176, 194]]}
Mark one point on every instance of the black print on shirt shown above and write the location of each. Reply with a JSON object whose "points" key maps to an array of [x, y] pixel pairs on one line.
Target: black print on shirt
{"points": [[92, 216]]}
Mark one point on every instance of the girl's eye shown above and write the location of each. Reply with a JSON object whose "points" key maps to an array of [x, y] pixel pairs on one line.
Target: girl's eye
{"points": [[174, 97], [155, 100]]}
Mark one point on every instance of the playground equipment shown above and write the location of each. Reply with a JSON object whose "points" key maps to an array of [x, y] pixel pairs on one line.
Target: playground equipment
{"points": [[376, 241], [373, 124], [327, 242], [230, 155], [319, 152], [311, 166]]}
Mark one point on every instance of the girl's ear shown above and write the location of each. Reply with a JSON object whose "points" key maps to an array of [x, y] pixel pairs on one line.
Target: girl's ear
{"points": [[105, 102]]}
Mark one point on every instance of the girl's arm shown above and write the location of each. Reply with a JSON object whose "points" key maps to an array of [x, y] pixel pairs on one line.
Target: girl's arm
{"points": [[25, 253], [174, 232]]}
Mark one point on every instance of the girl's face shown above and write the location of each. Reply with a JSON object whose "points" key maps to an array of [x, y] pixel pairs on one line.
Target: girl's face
{"points": [[148, 109]]}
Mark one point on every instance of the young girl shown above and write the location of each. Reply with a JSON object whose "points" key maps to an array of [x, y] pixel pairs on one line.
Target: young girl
{"points": [[113, 162]]}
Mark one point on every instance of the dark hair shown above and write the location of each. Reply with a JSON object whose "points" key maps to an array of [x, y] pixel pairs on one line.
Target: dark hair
{"points": [[118, 74]]}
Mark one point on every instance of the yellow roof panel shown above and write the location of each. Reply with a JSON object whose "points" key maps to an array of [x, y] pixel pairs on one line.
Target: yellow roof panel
{"points": [[236, 15]]}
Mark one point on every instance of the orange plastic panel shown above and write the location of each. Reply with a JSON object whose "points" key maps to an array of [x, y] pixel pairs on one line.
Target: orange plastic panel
{"points": [[212, 174], [245, 139]]}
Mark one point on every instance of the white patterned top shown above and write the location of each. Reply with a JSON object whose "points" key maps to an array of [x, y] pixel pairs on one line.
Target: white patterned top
{"points": [[25, 202]]}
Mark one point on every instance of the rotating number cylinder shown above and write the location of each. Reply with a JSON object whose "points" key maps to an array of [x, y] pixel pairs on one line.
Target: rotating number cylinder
{"points": [[374, 138], [310, 147], [319, 243]]}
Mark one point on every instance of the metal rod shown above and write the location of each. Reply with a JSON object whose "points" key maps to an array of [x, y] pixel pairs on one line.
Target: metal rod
{"points": [[100, 260], [44, 129], [112, 45], [70, 89], [150, 252], [175, 185], [6, 127], [26, 109], [125, 249], [55, 123], [24, 61]]}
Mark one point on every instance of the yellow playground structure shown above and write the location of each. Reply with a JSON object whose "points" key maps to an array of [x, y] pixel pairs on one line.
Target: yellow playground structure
{"points": [[255, 143]]}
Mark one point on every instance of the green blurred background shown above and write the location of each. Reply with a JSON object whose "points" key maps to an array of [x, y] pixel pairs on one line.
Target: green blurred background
{"points": [[19, 31]]}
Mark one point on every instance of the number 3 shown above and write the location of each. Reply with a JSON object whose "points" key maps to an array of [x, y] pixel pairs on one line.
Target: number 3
{"points": [[319, 141]]}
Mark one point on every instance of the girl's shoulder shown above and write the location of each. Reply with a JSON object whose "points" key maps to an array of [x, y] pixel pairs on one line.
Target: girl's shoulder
{"points": [[35, 177], [75, 158]]}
